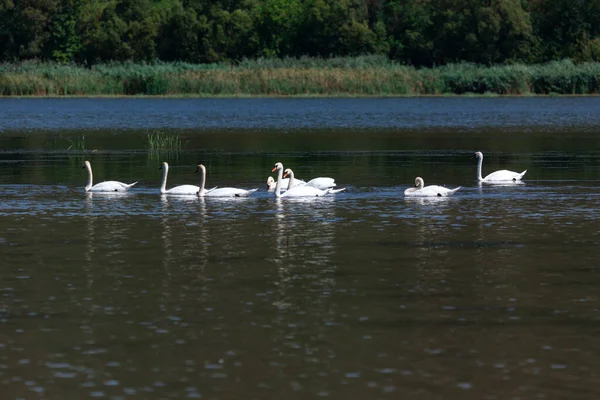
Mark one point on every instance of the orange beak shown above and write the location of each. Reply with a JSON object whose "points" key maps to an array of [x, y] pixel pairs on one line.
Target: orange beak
{"points": [[274, 169], [285, 175]]}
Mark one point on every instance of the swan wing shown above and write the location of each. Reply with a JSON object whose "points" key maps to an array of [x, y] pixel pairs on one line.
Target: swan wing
{"points": [[322, 183], [430, 191], [285, 182], [334, 191], [111, 186], [504, 175], [183, 190], [229, 192], [304, 191], [410, 191]]}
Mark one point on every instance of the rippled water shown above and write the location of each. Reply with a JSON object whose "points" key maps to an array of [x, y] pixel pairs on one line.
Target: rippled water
{"points": [[414, 113], [490, 294]]}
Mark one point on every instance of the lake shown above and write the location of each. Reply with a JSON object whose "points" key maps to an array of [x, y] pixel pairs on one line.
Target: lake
{"points": [[489, 294]]}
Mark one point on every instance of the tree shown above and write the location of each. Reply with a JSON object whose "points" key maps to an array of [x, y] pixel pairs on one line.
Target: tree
{"points": [[567, 28], [277, 24], [487, 32], [64, 43], [411, 31], [24, 27], [335, 27], [180, 37]]}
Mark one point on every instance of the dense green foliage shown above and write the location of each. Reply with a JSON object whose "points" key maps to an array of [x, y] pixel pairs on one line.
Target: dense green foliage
{"points": [[366, 75], [411, 32]]}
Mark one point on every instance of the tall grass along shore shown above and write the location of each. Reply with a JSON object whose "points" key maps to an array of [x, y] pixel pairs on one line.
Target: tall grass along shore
{"points": [[360, 76]]}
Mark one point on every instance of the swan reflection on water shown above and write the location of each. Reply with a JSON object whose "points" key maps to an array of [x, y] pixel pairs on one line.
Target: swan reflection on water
{"points": [[304, 235], [430, 224], [185, 239], [107, 232], [423, 201], [500, 184], [108, 195]]}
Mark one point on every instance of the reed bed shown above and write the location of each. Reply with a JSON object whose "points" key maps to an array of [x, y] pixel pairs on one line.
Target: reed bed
{"points": [[358, 76]]}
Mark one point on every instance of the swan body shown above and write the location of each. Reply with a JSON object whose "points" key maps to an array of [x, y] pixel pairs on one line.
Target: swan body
{"points": [[107, 186], [322, 183], [420, 190], [299, 191], [229, 192], [182, 190], [502, 175], [284, 183], [219, 192]]}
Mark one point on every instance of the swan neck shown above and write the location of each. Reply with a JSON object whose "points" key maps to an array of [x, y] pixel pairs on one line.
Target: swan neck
{"points": [[292, 181], [278, 185], [202, 181], [163, 183], [479, 163], [89, 185]]}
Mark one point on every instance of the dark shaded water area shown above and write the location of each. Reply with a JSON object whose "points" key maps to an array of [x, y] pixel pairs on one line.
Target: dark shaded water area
{"points": [[490, 294]]}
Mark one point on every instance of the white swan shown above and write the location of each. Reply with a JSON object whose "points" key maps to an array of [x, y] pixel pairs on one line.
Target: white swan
{"points": [[107, 186], [322, 183], [420, 190], [182, 190], [284, 183], [219, 192], [298, 191], [502, 175]]}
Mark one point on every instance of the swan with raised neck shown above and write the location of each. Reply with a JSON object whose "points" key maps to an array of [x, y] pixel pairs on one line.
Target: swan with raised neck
{"points": [[217, 191], [181, 190], [502, 175], [106, 186], [298, 191]]}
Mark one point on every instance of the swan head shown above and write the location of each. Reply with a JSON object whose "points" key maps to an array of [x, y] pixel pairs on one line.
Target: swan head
{"points": [[270, 183], [200, 167], [278, 166], [478, 155], [86, 164], [164, 165], [419, 182], [287, 172]]}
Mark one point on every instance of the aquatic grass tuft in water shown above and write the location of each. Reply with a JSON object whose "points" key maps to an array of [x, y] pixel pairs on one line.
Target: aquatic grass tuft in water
{"points": [[159, 143], [77, 145]]}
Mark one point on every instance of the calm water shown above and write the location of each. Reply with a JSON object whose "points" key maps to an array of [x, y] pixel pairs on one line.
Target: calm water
{"points": [[491, 294]]}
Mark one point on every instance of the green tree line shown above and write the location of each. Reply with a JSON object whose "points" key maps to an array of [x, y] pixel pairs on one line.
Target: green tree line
{"points": [[413, 32]]}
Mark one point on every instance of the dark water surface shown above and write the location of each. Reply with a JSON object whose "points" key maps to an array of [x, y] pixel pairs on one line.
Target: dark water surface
{"points": [[491, 294]]}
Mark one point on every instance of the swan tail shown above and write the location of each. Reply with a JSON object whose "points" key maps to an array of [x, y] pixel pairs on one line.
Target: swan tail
{"points": [[210, 190], [452, 191], [522, 174], [131, 185], [334, 191]]}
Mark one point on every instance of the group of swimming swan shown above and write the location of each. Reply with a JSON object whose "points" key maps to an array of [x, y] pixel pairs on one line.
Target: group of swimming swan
{"points": [[293, 187], [500, 176], [287, 186]]}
